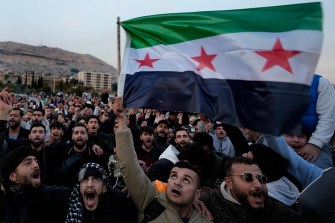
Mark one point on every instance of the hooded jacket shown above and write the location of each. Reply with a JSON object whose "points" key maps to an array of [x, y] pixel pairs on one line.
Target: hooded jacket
{"points": [[226, 209]]}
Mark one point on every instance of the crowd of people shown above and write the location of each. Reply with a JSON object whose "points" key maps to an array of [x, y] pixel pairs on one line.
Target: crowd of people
{"points": [[71, 158]]}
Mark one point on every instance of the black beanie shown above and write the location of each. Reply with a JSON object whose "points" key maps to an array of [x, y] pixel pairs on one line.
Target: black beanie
{"points": [[13, 159]]}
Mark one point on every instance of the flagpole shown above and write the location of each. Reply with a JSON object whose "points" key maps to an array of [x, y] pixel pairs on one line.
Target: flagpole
{"points": [[118, 47]]}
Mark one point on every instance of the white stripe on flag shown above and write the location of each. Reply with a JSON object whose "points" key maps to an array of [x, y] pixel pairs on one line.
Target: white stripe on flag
{"points": [[236, 59]]}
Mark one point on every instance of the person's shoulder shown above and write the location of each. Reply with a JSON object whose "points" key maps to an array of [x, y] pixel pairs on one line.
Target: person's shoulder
{"points": [[324, 82], [283, 213]]}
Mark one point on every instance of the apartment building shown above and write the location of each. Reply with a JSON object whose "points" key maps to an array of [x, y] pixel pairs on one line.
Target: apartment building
{"points": [[97, 80]]}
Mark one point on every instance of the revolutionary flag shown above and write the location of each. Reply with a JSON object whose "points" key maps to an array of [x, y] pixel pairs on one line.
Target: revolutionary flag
{"points": [[250, 68]]}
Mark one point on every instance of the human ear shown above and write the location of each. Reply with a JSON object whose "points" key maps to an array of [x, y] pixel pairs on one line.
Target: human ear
{"points": [[12, 177], [228, 182], [197, 194]]}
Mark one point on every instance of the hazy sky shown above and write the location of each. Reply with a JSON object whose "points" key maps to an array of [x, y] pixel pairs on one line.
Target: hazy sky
{"points": [[89, 26]]}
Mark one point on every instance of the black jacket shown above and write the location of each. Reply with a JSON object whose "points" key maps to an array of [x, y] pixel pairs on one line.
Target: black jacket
{"points": [[46, 204], [229, 212], [114, 207]]}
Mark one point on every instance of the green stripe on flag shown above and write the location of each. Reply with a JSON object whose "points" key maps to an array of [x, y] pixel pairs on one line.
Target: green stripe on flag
{"points": [[180, 27]]}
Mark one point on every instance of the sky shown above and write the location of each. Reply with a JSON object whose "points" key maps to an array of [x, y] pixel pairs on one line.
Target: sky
{"points": [[89, 27]]}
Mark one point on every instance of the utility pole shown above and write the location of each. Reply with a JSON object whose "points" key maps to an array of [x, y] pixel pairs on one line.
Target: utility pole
{"points": [[118, 47]]}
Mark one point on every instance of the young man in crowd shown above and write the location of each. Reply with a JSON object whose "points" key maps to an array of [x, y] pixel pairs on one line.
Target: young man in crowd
{"points": [[25, 198], [161, 169], [243, 196], [14, 130], [182, 187], [93, 199], [147, 154], [57, 130], [221, 142], [160, 136], [68, 160], [38, 116]]}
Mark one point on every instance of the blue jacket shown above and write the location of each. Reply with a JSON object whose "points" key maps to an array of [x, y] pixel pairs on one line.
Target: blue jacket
{"points": [[310, 118]]}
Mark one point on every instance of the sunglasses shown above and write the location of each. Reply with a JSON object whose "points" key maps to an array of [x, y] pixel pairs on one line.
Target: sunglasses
{"points": [[249, 177]]}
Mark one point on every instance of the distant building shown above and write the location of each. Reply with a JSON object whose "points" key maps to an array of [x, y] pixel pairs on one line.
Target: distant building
{"points": [[97, 80]]}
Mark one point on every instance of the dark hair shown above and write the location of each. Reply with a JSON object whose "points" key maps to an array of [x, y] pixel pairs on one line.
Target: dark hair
{"points": [[195, 123], [217, 124], [37, 124], [163, 121], [57, 124], [180, 129], [237, 159], [79, 125], [147, 129], [184, 164], [20, 111], [40, 110], [306, 132], [92, 117], [81, 118]]}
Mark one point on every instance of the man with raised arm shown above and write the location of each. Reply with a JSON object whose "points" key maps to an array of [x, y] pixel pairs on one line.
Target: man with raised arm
{"points": [[172, 205]]}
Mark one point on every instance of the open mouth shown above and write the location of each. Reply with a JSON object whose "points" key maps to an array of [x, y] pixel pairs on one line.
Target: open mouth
{"points": [[295, 146], [258, 195], [90, 200], [36, 175], [36, 178], [90, 195], [176, 192]]}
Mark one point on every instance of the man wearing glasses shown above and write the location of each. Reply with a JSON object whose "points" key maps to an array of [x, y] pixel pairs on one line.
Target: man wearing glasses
{"points": [[243, 196]]}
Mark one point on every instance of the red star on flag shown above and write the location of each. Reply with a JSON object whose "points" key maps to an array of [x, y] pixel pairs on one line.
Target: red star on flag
{"points": [[205, 60], [147, 61], [277, 56]]}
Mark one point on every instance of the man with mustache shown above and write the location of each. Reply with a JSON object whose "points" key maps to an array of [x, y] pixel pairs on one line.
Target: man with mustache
{"points": [[13, 136], [160, 136], [24, 198], [14, 130], [72, 157], [243, 196], [38, 116]]}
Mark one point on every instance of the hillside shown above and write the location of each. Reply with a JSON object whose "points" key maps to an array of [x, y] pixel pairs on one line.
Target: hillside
{"points": [[19, 58]]}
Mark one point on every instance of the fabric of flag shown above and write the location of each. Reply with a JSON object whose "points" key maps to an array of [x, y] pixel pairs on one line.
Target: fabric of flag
{"points": [[250, 68]]}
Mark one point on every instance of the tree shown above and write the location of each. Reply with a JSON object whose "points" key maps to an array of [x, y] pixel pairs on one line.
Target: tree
{"points": [[26, 79], [40, 82], [19, 80], [114, 87], [61, 85], [33, 80]]}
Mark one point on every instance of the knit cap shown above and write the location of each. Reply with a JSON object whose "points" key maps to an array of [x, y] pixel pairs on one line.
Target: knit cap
{"points": [[13, 159], [95, 170]]}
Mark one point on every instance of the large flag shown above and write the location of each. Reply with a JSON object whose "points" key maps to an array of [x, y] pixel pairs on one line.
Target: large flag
{"points": [[250, 68]]}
